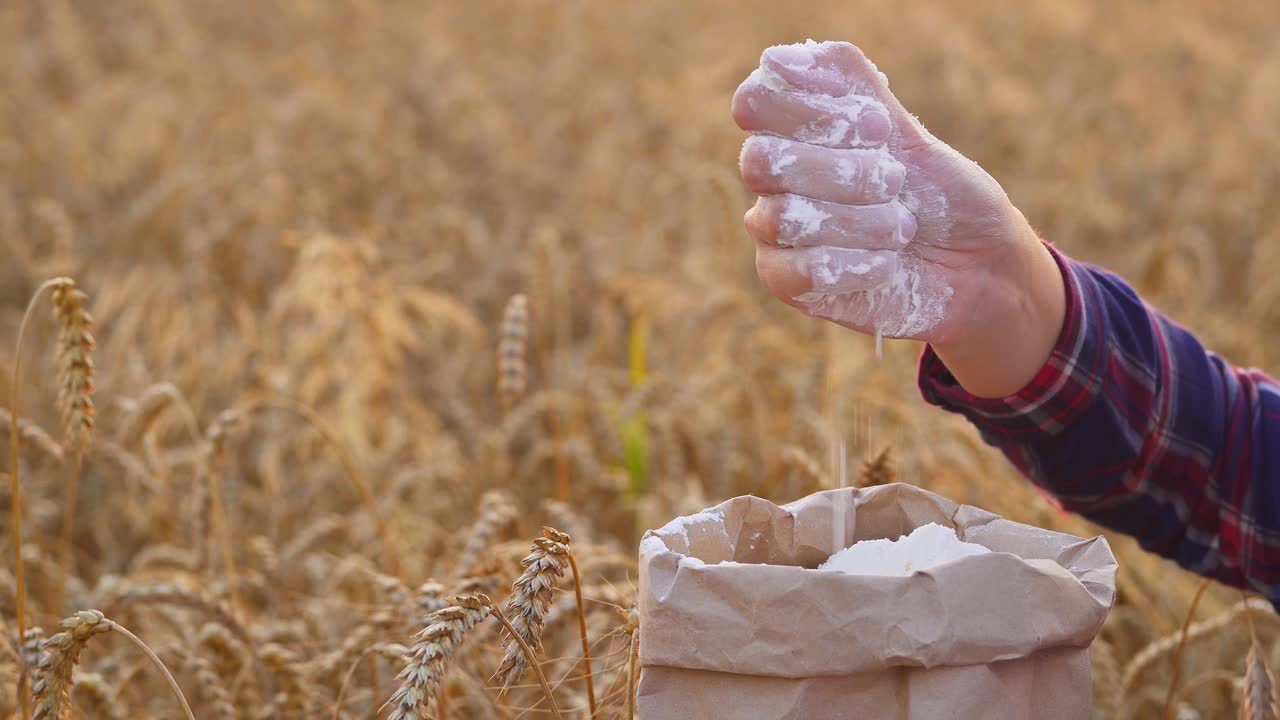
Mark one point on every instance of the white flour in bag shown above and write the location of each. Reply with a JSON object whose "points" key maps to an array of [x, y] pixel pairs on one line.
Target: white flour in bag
{"points": [[926, 546]]}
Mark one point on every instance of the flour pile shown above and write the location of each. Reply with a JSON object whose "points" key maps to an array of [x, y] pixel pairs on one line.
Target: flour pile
{"points": [[926, 546]]}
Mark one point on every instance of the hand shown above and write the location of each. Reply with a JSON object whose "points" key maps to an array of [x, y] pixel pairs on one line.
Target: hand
{"points": [[868, 220]]}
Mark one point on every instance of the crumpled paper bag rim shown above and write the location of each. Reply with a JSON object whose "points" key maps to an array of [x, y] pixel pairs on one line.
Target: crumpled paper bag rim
{"points": [[1038, 588]]}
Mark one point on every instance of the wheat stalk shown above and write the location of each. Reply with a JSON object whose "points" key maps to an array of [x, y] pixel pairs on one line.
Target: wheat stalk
{"points": [[1175, 676], [633, 654], [528, 651], [582, 624], [1197, 631], [75, 385], [51, 691], [530, 599]]}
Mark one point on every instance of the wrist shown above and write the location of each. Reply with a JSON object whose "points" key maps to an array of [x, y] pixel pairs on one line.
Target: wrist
{"points": [[1014, 328]]}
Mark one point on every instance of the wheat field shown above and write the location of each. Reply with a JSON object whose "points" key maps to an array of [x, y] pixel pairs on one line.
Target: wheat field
{"points": [[321, 407]]}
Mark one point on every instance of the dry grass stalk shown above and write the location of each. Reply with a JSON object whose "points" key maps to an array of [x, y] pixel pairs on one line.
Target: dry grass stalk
{"points": [[1146, 658], [428, 658], [51, 691], [582, 625], [1106, 677], [633, 654], [33, 436], [1175, 677], [531, 596], [513, 371]]}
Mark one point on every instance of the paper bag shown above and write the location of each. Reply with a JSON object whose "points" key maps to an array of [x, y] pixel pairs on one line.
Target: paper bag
{"points": [[736, 622]]}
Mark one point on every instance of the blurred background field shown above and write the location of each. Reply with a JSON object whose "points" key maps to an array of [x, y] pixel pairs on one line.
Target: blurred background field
{"points": [[333, 201]]}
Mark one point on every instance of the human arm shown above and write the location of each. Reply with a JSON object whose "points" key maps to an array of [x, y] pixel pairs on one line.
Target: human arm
{"points": [[1134, 425]]}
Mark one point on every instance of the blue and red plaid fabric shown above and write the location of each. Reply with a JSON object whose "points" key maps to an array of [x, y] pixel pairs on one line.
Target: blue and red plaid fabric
{"points": [[1133, 424]]}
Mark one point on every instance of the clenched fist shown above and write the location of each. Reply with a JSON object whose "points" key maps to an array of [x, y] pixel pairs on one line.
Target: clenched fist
{"points": [[867, 219]]}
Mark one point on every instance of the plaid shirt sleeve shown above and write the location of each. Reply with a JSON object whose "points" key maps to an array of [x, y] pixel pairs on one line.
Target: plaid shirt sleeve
{"points": [[1133, 424]]}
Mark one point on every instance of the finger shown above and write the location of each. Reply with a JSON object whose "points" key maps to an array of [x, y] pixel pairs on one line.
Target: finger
{"points": [[772, 165], [838, 69], [797, 275], [809, 67], [796, 221], [840, 122]]}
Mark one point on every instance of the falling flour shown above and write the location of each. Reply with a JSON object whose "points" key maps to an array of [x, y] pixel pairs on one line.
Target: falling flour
{"points": [[926, 546]]}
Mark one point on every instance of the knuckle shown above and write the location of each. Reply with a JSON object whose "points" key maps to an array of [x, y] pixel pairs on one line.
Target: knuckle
{"points": [[754, 165]]}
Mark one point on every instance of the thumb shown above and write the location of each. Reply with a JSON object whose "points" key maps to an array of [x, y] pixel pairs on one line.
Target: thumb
{"points": [[839, 69]]}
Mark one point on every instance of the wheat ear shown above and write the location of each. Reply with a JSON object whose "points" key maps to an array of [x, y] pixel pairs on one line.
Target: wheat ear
{"points": [[154, 402], [530, 599], [52, 689], [352, 471], [513, 372], [211, 466], [33, 436], [427, 661], [211, 686], [878, 470], [497, 512], [75, 363], [525, 648], [1259, 686], [286, 667], [58, 285], [388, 651]]}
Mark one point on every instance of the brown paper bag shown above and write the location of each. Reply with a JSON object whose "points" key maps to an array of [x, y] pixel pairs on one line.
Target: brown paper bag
{"points": [[736, 623]]}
